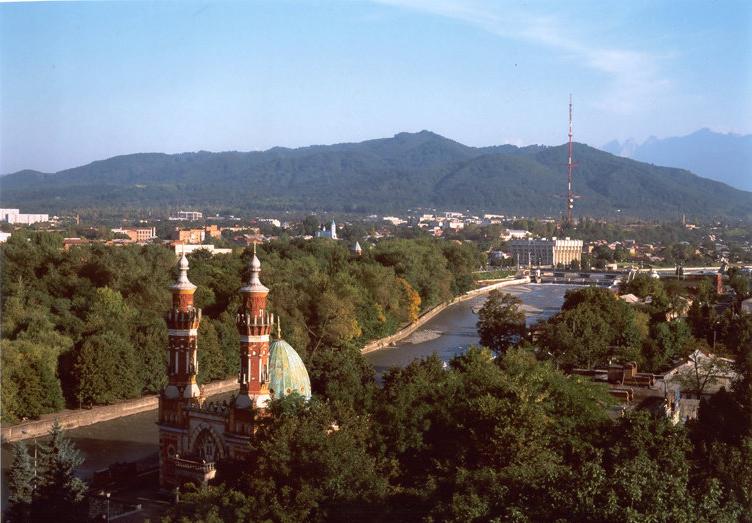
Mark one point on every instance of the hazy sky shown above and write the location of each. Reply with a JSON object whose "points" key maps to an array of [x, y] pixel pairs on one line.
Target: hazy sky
{"points": [[85, 81]]}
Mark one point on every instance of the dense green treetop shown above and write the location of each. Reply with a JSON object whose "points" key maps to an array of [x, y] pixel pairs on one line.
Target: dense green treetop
{"points": [[85, 326]]}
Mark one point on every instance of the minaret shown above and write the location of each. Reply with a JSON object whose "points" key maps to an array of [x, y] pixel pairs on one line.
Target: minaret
{"points": [[333, 230], [183, 321], [254, 326], [182, 391]]}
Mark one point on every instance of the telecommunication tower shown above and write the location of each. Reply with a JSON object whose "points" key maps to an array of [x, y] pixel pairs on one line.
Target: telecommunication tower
{"points": [[570, 167]]}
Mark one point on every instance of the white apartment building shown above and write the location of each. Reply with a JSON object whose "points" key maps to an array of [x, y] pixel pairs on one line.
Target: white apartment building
{"points": [[15, 216], [545, 252]]}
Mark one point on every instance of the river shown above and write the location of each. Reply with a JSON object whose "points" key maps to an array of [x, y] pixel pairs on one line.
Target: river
{"points": [[453, 330], [135, 437]]}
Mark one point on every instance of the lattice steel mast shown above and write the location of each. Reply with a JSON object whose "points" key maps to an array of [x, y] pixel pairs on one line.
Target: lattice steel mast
{"points": [[570, 167]]}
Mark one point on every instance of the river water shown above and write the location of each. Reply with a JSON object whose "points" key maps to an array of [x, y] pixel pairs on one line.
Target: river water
{"points": [[135, 437], [453, 330]]}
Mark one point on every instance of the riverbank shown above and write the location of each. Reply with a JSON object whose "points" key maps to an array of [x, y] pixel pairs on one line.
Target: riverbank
{"points": [[72, 419], [431, 313]]}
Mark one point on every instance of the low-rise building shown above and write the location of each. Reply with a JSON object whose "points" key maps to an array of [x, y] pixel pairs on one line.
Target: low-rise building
{"points": [[137, 234], [181, 248], [189, 236], [394, 220], [514, 234], [187, 216]]}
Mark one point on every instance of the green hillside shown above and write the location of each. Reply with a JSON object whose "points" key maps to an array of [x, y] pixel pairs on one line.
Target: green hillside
{"points": [[385, 175]]}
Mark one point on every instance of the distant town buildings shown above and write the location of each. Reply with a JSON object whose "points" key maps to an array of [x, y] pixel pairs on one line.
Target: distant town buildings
{"points": [[189, 216], [270, 221], [137, 234], [545, 252], [331, 233], [514, 234], [196, 235], [394, 220], [15, 216], [4, 236], [180, 249]]}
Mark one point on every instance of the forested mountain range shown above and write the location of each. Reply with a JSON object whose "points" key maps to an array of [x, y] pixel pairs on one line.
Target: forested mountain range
{"points": [[726, 158], [385, 175]]}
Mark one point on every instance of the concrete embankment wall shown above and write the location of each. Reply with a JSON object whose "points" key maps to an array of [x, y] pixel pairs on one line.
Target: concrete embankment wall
{"points": [[431, 313], [71, 419]]}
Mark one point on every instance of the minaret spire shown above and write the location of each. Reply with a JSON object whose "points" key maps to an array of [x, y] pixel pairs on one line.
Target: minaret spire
{"points": [[254, 325], [183, 283], [182, 390]]}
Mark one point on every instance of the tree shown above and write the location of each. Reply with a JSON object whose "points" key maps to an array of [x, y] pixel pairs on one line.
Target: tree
{"points": [[20, 484], [343, 377], [211, 359], [61, 493], [671, 340], [29, 385], [105, 368], [579, 336], [501, 323], [741, 285]]}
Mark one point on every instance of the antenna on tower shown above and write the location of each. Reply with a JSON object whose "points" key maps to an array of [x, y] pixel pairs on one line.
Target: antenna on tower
{"points": [[570, 166]]}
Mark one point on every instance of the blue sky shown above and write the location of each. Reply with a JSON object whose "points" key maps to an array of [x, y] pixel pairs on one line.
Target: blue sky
{"points": [[89, 80]]}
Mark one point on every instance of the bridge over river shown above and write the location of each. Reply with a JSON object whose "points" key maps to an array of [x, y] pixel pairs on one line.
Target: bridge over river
{"points": [[134, 438]]}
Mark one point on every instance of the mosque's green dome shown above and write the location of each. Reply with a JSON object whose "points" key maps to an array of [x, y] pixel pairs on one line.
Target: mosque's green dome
{"points": [[287, 373]]}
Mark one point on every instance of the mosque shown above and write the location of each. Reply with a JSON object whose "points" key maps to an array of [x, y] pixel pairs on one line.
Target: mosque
{"points": [[195, 435]]}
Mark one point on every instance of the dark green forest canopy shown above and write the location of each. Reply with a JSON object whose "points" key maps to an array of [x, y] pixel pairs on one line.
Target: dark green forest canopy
{"points": [[86, 326], [387, 175], [510, 439]]}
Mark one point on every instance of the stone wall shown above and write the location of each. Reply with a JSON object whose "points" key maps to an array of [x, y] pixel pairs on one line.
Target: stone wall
{"points": [[71, 419], [431, 313]]}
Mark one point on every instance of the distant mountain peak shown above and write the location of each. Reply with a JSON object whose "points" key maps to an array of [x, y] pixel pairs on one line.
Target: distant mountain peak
{"points": [[723, 157]]}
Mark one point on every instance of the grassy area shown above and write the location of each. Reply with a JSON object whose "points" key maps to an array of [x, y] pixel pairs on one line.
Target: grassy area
{"points": [[493, 275]]}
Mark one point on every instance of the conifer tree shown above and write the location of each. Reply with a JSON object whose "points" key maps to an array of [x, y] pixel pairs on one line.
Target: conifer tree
{"points": [[60, 493], [20, 483]]}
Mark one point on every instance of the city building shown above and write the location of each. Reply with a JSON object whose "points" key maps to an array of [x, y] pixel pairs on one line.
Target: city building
{"points": [[212, 231], [270, 221], [189, 236], [15, 216], [182, 248], [331, 233], [545, 252], [137, 234], [514, 234], [4, 213], [195, 435], [187, 216], [4, 236]]}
